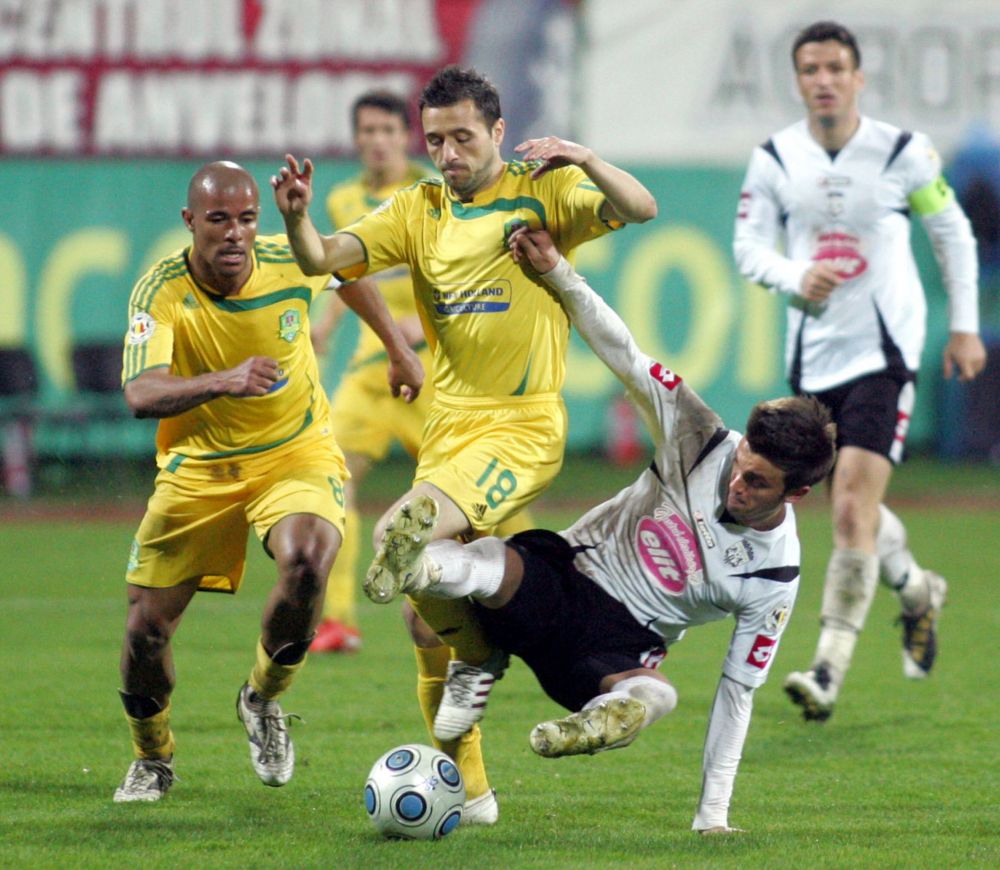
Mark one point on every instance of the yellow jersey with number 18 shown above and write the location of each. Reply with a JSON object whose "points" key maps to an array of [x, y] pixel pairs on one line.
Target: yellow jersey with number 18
{"points": [[497, 331], [177, 323]]}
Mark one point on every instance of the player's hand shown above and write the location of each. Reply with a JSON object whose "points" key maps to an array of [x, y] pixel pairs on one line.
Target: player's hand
{"points": [[965, 354], [535, 246], [406, 374], [819, 282], [293, 187], [720, 829], [553, 152], [255, 376]]}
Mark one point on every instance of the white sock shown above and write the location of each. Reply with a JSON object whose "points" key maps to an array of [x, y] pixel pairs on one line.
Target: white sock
{"points": [[474, 569], [899, 569], [658, 697], [851, 578]]}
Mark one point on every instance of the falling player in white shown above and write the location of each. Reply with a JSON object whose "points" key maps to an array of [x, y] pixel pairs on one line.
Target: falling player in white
{"points": [[707, 531], [838, 188]]}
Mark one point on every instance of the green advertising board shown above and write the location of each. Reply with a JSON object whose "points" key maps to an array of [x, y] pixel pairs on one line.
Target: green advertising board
{"points": [[77, 234]]}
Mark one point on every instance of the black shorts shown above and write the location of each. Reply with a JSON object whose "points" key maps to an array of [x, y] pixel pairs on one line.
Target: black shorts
{"points": [[567, 629], [873, 412]]}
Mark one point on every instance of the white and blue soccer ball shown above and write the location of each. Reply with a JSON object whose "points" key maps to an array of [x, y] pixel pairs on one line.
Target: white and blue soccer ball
{"points": [[414, 792]]}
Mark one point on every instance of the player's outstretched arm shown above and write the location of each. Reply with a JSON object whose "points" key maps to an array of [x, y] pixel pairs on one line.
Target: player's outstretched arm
{"points": [[628, 200], [157, 393], [316, 254], [727, 731], [406, 372]]}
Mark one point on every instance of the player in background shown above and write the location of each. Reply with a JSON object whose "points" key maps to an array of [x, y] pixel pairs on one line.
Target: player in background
{"points": [[365, 417], [708, 530], [838, 189], [218, 350], [496, 431]]}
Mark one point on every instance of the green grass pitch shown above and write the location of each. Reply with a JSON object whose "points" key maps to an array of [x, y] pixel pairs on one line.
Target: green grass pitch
{"points": [[905, 774]]}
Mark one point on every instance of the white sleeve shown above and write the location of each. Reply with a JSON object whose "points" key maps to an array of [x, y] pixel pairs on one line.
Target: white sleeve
{"points": [[955, 250], [755, 237], [949, 230], [727, 730], [608, 336]]}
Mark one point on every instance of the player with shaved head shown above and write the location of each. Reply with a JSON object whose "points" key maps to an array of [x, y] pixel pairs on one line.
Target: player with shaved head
{"points": [[218, 350]]}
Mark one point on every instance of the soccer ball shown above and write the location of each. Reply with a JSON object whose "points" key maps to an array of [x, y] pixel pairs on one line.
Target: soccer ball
{"points": [[414, 792]]}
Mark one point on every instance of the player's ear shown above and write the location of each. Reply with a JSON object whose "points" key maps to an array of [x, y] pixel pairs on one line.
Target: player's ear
{"points": [[498, 131], [188, 217], [794, 496]]}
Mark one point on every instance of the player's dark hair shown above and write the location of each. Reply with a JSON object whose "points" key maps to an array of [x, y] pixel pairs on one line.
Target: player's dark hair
{"points": [[797, 435], [384, 100], [452, 84], [823, 31]]}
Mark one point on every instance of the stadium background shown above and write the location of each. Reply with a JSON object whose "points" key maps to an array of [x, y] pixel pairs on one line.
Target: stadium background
{"points": [[106, 109]]}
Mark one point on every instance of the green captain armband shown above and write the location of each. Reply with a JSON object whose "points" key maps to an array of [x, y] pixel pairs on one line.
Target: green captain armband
{"points": [[932, 198]]}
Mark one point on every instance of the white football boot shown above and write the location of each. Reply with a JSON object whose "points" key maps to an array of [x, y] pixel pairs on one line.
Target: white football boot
{"points": [[271, 751], [920, 630], [148, 779], [466, 690]]}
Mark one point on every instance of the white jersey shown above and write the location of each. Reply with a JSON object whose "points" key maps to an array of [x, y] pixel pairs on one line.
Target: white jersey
{"points": [[665, 546], [852, 209]]}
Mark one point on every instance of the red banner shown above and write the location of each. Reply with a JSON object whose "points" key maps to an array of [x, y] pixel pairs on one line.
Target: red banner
{"points": [[186, 78]]}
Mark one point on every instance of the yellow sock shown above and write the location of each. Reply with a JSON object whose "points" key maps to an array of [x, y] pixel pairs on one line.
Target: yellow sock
{"points": [[454, 621], [152, 737], [432, 668], [269, 679]]}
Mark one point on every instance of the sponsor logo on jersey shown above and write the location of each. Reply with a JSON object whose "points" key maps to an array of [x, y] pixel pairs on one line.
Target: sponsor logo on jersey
{"points": [[475, 299], [738, 554], [761, 651], [843, 252], [707, 537], [289, 324], [666, 377], [669, 552], [141, 327], [776, 619], [479, 510]]}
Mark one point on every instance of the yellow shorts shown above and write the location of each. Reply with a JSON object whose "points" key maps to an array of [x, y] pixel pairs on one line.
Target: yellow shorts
{"points": [[198, 518], [493, 461], [366, 418]]}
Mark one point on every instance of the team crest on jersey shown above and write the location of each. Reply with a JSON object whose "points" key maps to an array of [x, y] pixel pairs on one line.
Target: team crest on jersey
{"points": [[738, 554], [776, 619], [289, 325], [843, 252], [141, 327], [133, 556], [669, 552], [666, 377]]}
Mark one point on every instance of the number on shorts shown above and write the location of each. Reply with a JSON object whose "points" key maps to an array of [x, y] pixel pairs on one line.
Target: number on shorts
{"points": [[505, 484], [338, 490]]}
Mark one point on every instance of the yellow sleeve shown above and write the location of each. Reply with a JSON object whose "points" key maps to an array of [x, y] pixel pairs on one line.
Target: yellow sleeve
{"points": [[382, 234]]}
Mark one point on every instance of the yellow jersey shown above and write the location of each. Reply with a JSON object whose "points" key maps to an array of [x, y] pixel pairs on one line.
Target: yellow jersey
{"points": [[177, 323], [496, 331], [348, 202]]}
